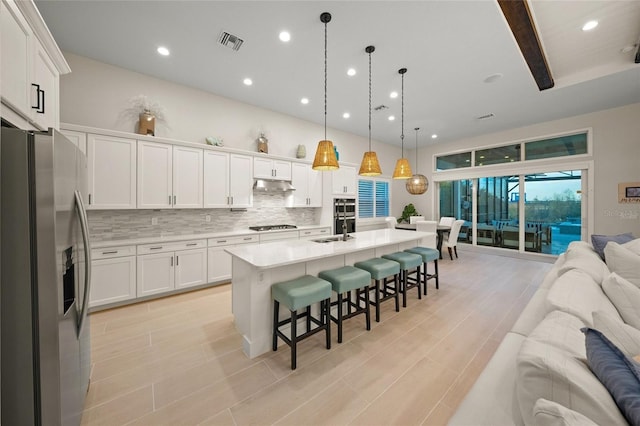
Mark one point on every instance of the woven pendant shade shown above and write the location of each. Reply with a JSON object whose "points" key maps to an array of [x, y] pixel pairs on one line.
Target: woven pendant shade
{"points": [[370, 165], [325, 158], [402, 170]]}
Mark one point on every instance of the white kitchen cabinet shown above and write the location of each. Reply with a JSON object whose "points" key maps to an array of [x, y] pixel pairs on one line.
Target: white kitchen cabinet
{"points": [[344, 181], [111, 164], [308, 185], [267, 168], [113, 275], [309, 234], [219, 261], [228, 180], [169, 176], [29, 75], [165, 267], [278, 236], [79, 139]]}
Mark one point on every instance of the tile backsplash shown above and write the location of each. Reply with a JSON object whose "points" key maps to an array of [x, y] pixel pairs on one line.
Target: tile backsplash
{"points": [[268, 209]]}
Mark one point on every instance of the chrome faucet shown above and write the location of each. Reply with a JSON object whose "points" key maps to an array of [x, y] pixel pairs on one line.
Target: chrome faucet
{"points": [[344, 220]]}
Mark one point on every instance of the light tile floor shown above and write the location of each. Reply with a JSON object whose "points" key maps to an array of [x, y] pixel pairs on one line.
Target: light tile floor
{"points": [[178, 360]]}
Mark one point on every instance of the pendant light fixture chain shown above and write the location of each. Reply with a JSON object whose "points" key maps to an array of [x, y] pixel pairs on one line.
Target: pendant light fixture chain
{"points": [[325, 17], [416, 129], [402, 71], [370, 50]]}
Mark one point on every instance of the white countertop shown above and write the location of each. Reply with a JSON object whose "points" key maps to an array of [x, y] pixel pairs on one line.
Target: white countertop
{"points": [[280, 253], [196, 236]]}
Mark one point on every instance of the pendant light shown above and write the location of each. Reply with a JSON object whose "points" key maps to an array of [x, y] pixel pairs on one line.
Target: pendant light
{"points": [[370, 165], [403, 169], [325, 158], [417, 184]]}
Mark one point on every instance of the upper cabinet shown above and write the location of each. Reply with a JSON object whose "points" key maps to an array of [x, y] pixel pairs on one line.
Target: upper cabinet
{"points": [[266, 168], [30, 66], [228, 180], [111, 164], [344, 181], [308, 185], [169, 176]]}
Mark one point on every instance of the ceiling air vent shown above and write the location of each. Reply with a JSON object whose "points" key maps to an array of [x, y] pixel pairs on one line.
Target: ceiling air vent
{"points": [[229, 40], [486, 116], [381, 108]]}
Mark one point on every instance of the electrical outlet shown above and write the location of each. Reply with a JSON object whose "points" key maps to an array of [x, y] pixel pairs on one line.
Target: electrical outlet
{"points": [[154, 220], [207, 218]]}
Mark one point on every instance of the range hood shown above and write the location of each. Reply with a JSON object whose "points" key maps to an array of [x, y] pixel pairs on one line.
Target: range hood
{"points": [[265, 185]]}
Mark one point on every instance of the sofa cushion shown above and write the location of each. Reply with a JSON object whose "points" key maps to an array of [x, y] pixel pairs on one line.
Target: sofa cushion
{"points": [[561, 330], [623, 262], [575, 292], [585, 260], [544, 371], [618, 373], [624, 336], [549, 413], [600, 241], [633, 245], [553, 273], [625, 296], [532, 314]]}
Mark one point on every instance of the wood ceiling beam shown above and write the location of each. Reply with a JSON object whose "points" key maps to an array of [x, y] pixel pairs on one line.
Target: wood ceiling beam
{"points": [[519, 19]]}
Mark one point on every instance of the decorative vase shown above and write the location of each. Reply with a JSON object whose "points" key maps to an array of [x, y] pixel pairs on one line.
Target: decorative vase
{"points": [[263, 144], [301, 152], [147, 123]]}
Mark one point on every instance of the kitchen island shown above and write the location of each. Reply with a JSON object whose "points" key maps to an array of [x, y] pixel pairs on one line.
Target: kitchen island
{"points": [[257, 267]]}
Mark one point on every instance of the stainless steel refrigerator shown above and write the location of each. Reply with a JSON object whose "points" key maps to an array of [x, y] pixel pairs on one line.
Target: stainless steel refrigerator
{"points": [[46, 268]]}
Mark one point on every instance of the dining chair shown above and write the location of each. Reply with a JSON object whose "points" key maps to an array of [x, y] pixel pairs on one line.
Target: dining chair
{"points": [[414, 219], [391, 222], [452, 241], [447, 221]]}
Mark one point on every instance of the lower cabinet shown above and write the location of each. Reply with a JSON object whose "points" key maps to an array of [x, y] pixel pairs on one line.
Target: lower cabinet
{"points": [[219, 261], [165, 267], [113, 275]]}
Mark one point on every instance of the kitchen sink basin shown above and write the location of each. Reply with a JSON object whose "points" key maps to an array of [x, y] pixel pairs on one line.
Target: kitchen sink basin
{"points": [[332, 239]]}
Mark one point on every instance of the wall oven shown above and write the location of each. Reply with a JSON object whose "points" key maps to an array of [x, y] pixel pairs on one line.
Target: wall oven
{"points": [[344, 211]]}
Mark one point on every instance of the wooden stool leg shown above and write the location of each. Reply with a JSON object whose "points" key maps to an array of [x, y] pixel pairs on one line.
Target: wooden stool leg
{"points": [[339, 318], [424, 276], [377, 299], [403, 284], [294, 338], [276, 308], [396, 284], [308, 318], [437, 275], [418, 282], [325, 306], [368, 311]]}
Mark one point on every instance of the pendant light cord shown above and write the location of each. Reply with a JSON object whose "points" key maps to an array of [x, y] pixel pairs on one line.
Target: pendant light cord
{"points": [[369, 101], [402, 134], [416, 129], [325, 81]]}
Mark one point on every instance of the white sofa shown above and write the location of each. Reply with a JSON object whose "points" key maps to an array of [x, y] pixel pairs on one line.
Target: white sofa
{"points": [[539, 374]]}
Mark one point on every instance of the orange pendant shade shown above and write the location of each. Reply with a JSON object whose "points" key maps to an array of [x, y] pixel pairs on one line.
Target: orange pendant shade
{"points": [[370, 165], [325, 158], [402, 170]]}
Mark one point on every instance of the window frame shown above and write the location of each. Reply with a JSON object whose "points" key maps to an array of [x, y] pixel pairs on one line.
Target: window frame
{"points": [[374, 181]]}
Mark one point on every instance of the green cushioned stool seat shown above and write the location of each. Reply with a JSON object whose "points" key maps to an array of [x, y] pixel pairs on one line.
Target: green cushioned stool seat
{"points": [[408, 262], [381, 271], [296, 294], [301, 292], [344, 280], [428, 255]]}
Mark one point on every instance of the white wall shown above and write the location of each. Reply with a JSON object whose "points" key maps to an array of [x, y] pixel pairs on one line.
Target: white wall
{"points": [[95, 94], [616, 156]]}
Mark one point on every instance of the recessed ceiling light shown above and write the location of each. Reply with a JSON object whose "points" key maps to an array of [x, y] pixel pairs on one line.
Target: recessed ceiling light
{"points": [[304, 101], [589, 25], [284, 36], [346, 115], [247, 82], [434, 136], [393, 95], [392, 117], [351, 72], [163, 51], [493, 77]]}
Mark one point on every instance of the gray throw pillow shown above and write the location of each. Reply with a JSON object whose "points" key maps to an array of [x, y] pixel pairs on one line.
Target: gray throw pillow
{"points": [[599, 242]]}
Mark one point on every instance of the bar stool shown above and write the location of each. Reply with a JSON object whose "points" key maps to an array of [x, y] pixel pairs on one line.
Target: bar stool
{"points": [[381, 270], [407, 262], [296, 294], [344, 280], [428, 255]]}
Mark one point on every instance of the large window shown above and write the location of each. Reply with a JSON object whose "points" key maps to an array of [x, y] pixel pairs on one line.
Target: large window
{"points": [[373, 198]]}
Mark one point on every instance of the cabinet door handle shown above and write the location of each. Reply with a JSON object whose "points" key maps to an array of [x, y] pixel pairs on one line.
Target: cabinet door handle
{"points": [[89, 199], [247, 239], [177, 260], [221, 241], [39, 107], [110, 252], [232, 200], [192, 244], [174, 200], [155, 248], [171, 260], [169, 199]]}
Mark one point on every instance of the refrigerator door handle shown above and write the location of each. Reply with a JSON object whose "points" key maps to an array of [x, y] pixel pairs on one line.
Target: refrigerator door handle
{"points": [[82, 215]]}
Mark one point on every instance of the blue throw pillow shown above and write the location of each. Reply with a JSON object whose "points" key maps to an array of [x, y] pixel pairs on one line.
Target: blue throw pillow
{"points": [[619, 374], [599, 242]]}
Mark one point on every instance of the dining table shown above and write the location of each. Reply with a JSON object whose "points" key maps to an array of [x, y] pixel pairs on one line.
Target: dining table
{"points": [[440, 230]]}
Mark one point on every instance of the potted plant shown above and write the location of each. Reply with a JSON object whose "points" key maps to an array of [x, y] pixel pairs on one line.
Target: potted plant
{"points": [[409, 210]]}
